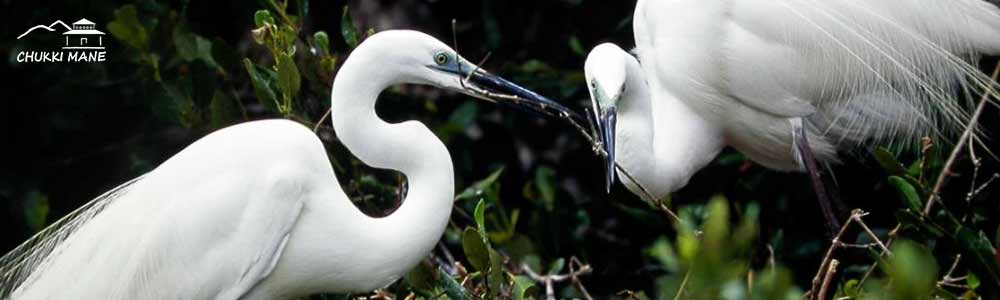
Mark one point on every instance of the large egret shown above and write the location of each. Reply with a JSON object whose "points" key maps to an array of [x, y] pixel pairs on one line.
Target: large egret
{"points": [[782, 81], [254, 211]]}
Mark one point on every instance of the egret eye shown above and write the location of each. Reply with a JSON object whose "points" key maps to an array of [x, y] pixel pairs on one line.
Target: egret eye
{"points": [[441, 58]]}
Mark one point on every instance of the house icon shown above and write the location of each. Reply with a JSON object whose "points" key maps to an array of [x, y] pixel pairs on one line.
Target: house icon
{"points": [[84, 36]]}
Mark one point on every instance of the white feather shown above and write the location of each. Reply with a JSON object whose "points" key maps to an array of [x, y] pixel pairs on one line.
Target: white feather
{"points": [[876, 71]]}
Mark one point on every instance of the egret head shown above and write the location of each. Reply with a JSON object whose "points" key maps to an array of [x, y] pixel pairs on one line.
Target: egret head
{"points": [[423, 59], [605, 71]]}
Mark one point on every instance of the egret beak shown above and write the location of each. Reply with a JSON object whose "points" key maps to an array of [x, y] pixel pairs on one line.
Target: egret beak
{"points": [[484, 85], [606, 119]]}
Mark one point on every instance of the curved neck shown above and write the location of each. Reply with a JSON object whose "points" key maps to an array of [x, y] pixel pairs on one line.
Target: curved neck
{"points": [[661, 142], [408, 234]]}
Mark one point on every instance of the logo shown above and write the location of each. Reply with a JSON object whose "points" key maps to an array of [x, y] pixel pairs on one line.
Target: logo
{"points": [[80, 43]]}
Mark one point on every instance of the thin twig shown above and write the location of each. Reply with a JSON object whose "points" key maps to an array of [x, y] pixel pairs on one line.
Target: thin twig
{"points": [[986, 184], [945, 171], [320, 122], [646, 196], [858, 246], [947, 276], [857, 219], [550, 280], [680, 289], [828, 257], [966, 136], [449, 264], [830, 272], [575, 263]]}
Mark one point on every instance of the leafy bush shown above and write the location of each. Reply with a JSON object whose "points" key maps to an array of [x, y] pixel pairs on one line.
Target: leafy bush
{"points": [[528, 225]]}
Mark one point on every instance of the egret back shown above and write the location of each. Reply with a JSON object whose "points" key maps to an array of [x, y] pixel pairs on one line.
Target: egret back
{"points": [[862, 72], [17, 266], [211, 222]]}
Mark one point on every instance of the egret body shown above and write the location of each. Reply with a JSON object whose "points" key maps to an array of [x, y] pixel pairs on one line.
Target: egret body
{"points": [[765, 75], [254, 211]]}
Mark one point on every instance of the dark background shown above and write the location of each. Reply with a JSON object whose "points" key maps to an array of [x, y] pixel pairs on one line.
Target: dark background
{"points": [[71, 131]]}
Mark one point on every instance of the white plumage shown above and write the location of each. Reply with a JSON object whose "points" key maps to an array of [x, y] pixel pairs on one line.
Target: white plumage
{"points": [[740, 73], [254, 211]]}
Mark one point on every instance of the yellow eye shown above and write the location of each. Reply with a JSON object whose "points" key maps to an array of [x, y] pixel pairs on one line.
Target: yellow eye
{"points": [[441, 58]]}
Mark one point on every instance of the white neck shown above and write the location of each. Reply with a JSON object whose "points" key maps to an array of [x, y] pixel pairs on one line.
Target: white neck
{"points": [[350, 251], [407, 235], [660, 141]]}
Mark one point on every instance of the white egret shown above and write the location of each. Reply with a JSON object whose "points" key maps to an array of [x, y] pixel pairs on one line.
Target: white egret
{"points": [[782, 81], [254, 211]]}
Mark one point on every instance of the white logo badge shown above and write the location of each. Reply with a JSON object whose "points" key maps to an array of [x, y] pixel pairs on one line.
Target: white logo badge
{"points": [[81, 43]]}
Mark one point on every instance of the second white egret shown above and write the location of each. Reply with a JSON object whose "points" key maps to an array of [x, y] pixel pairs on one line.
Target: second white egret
{"points": [[783, 81]]}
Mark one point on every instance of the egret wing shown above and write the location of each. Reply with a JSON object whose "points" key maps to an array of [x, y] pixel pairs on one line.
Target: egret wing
{"points": [[837, 61], [17, 265], [176, 234], [874, 70]]}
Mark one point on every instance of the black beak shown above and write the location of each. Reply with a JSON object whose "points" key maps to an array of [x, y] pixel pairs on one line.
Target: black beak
{"points": [[510, 94], [481, 84], [606, 124]]}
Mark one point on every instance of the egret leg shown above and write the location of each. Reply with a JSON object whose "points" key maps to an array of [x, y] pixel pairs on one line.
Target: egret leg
{"points": [[808, 161]]}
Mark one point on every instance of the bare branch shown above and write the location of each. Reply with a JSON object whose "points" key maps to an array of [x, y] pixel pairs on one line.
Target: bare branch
{"points": [[966, 136], [857, 219], [830, 272], [320, 122], [550, 280], [834, 245]]}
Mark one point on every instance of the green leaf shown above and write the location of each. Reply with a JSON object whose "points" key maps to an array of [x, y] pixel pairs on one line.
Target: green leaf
{"points": [[222, 109], [717, 225], [322, 41], [508, 232], [475, 250], [519, 247], [303, 6], [464, 115], [972, 281], [421, 277], [663, 252], [996, 239], [452, 289], [480, 214], [576, 46], [495, 275], [36, 210], [557, 266], [523, 286], [328, 64], [261, 85], [224, 55], [348, 29], [850, 289], [262, 17], [204, 51], [288, 75], [907, 193], [127, 28], [981, 253], [287, 40], [544, 181], [191, 47], [913, 270], [889, 162], [911, 218], [184, 42], [477, 189], [532, 261], [180, 94]]}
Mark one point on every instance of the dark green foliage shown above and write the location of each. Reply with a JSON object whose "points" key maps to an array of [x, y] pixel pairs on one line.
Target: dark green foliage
{"points": [[529, 194]]}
